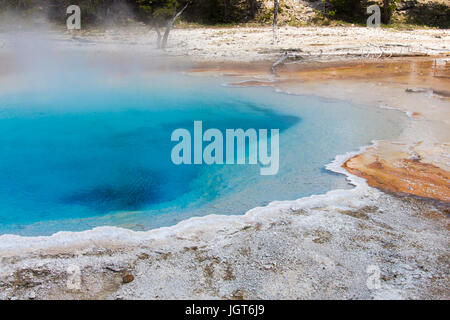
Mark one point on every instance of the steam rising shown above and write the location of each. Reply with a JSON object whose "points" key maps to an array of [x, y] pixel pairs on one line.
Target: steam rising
{"points": [[38, 55]]}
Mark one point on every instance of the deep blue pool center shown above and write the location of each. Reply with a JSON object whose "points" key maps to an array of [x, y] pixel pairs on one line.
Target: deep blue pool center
{"points": [[94, 155]]}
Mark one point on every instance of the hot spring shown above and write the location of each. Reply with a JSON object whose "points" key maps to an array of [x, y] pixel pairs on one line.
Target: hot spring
{"points": [[99, 153]]}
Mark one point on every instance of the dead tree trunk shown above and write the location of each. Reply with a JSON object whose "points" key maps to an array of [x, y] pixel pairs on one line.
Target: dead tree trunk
{"points": [[226, 11], [387, 11], [253, 8], [170, 25], [275, 22], [159, 37]]}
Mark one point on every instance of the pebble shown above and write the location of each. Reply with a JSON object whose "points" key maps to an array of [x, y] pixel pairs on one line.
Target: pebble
{"points": [[127, 278]]}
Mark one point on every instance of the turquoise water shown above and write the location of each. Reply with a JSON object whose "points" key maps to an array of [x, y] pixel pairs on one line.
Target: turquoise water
{"points": [[73, 159]]}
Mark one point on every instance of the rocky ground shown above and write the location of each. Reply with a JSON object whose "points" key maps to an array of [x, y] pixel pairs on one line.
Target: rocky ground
{"points": [[250, 44], [245, 44], [375, 246]]}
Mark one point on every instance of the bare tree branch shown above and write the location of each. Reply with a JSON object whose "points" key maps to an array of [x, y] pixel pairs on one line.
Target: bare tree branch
{"points": [[170, 25], [158, 34], [275, 22], [279, 62]]}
